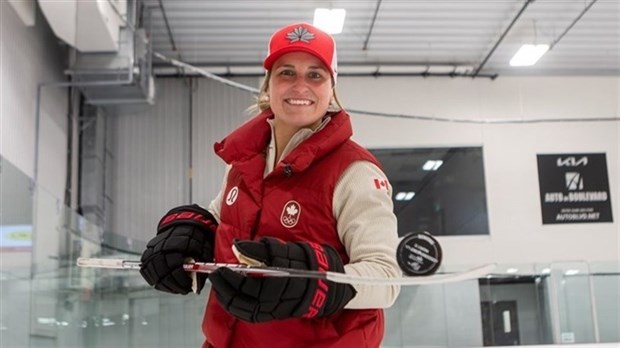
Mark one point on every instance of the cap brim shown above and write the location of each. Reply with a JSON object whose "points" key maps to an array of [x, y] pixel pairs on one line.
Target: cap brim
{"points": [[273, 57]]}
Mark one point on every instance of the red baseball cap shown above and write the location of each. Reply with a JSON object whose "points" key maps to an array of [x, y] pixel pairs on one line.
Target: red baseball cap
{"points": [[303, 37]]}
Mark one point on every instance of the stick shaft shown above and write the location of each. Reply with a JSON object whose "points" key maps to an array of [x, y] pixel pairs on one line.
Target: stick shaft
{"points": [[206, 267]]}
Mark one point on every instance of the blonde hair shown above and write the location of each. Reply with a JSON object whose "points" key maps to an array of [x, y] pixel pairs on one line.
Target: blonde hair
{"points": [[262, 100]]}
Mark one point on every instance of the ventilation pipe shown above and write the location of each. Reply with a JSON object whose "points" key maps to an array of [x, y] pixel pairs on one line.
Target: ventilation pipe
{"points": [[88, 26]]}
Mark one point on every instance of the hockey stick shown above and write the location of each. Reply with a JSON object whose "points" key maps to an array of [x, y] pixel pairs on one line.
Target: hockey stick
{"points": [[204, 267]]}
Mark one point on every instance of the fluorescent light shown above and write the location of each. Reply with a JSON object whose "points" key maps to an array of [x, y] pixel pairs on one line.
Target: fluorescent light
{"points": [[432, 164], [329, 20], [46, 321], [571, 272], [546, 271], [512, 270], [404, 196], [528, 55]]}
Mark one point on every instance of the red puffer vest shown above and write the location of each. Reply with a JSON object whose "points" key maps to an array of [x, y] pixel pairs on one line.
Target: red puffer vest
{"points": [[253, 207]]}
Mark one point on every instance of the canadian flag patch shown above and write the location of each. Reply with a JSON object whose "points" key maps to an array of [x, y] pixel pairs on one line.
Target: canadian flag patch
{"points": [[290, 214], [381, 184]]}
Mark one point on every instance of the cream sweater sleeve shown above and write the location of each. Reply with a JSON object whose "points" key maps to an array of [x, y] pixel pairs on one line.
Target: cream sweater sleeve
{"points": [[368, 230], [215, 207]]}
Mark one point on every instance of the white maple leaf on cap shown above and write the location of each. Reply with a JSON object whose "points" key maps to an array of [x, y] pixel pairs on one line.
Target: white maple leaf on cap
{"points": [[300, 34], [291, 210]]}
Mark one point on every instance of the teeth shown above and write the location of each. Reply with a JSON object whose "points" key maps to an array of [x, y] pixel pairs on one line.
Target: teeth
{"points": [[298, 101]]}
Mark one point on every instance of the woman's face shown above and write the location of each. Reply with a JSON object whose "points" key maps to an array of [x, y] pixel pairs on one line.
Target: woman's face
{"points": [[300, 90]]}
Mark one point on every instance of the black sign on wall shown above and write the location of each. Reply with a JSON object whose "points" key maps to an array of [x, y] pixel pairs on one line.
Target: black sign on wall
{"points": [[574, 188]]}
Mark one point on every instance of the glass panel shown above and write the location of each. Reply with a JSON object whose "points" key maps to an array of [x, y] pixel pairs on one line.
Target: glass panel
{"points": [[514, 306], [572, 282], [48, 301], [417, 318], [435, 316], [606, 291], [15, 254]]}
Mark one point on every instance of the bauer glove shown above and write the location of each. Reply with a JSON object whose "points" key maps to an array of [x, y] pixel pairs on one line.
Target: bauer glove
{"points": [[260, 299], [184, 234]]}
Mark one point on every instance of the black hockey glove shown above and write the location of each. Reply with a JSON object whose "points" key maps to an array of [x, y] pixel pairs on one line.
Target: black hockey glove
{"points": [[260, 299], [185, 232]]}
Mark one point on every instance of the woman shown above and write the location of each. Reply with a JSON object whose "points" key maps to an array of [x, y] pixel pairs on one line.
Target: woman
{"points": [[299, 193]]}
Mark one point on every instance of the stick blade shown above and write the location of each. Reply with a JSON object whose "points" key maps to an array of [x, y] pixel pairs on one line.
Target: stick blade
{"points": [[472, 273]]}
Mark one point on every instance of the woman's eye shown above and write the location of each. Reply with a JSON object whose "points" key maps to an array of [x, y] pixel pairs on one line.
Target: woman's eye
{"points": [[287, 73], [315, 75]]}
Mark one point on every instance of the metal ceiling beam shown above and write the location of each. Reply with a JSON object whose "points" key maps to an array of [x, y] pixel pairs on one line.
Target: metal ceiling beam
{"points": [[163, 12], [514, 20], [372, 25], [572, 25]]}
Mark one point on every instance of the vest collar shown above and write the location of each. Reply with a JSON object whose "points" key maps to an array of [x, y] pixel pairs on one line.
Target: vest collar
{"points": [[253, 137]]}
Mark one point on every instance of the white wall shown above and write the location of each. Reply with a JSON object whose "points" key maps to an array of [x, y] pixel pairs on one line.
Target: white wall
{"points": [[516, 231], [29, 56]]}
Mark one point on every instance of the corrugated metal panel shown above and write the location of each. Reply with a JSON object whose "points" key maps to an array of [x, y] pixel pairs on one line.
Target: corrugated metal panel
{"points": [[591, 46], [217, 110], [151, 156], [414, 32], [151, 151]]}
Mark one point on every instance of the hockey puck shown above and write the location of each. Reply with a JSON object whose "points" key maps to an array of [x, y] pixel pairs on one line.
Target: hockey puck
{"points": [[418, 254]]}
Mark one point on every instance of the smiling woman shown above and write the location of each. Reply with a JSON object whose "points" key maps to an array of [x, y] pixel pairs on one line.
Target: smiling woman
{"points": [[300, 94], [299, 193]]}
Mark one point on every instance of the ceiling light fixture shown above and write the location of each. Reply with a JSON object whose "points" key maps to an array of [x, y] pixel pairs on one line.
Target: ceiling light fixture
{"points": [[528, 55], [432, 165], [329, 20], [404, 196]]}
